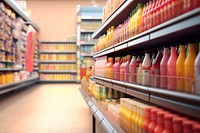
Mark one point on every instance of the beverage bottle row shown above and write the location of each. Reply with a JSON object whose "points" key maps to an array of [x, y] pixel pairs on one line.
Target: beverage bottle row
{"points": [[57, 77], [136, 117], [90, 24], [57, 57], [6, 77], [110, 7], [87, 49], [53, 66], [144, 17], [66, 47], [87, 38], [166, 70]]}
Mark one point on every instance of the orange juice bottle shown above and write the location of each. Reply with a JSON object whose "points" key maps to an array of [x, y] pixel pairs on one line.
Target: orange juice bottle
{"points": [[129, 116], [180, 69], [139, 18], [141, 120], [137, 118], [121, 112], [189, 68], [133, 115]]}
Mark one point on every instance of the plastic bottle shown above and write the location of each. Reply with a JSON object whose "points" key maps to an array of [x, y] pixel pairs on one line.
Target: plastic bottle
{"points": [[187, 126], [137, 117], [189, 68], [160, 122], [153, 122], [197, 73], [122, 69], [147, 119], [132, 70], [177, 125], [126, 68], [168, 124], [171, 69], [129, 116], [114, 70], [196, 128], [139, 74], [155, 70], [134, 113], [180, 69], [146, 67], [141, 120], [163, 69]]}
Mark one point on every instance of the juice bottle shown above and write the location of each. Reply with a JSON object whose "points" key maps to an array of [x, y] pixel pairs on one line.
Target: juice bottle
{"points": [[187, 126], [133, 116], [141, 120], [129, 116], [153, 122], [155, 70], [160, 120], [139, 19], [168, 123], [171, 69], [189, 68], [132, 70], [196, 128], [146, 67], [117, 69], [180, 69], [147, 119], [126, 68], [121, 112], [114, 68], [197, 73], [139, 74], [163, 68], [177, 124], [137, 117], [109, 68], [122, 69]]}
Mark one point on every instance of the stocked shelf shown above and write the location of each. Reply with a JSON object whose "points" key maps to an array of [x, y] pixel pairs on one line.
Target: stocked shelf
{"points": [[57, 61], [58, 81], [14, 85], [87, 43], [184, 103], [87, 55], [57, 51], [113, 19], [102, 117], [181, 26], [9, 69], [57, 71], [87, 31]]}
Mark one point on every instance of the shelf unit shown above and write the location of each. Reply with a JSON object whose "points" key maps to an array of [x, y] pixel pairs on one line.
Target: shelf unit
{"points": [[182, 28], [61, 57], [89, 18], [14, 46], [57, 81]]}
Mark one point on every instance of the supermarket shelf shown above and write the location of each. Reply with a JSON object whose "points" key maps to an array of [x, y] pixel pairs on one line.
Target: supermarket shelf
{"points": [[87, 55], [57, 71], [21, 12], [91, 17], [168, 30], [57, 61], [87, 43], [9, 69], [58, 81], [184, 103], [57, 51], [102, 117], [16, 85], [87, 31], [124, 9]]}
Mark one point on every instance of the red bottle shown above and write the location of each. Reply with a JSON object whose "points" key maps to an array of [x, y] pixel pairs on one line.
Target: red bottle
{"points": [[114, 68], [153, 122], [160, 121], [196, 128], [126, 68], [168, 124], [132, 70], [177, 125], [117, 69], [187, 126], [163, 69], [122, 69], [171, 69], [147, 119], [155, 70]]}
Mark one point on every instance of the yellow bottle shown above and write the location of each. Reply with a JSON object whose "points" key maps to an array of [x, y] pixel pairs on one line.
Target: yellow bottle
{"points": [[129, 116], [137, 119], [180, 69], [189, 68], [139, 19], [133, 116], [141, 120], [121, 112]]}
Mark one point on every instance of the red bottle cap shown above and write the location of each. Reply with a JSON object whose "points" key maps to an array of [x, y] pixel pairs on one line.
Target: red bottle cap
{"points": [[196, 128], [153, 114], [168, 120], [160, 117], [177, 124], [187, 126]]}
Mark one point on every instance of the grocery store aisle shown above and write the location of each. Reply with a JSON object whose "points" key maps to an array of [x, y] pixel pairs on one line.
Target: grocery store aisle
{"points": [[45, 108]]}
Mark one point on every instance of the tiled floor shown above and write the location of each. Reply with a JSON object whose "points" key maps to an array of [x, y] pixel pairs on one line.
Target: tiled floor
{"points": [[45, 108]]}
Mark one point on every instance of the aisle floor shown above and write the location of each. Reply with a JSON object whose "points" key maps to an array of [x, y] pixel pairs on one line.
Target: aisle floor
{"points": [[45, 108]]}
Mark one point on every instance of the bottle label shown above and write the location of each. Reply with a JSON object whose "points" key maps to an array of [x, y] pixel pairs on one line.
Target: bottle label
{"points": [[146, 77]]}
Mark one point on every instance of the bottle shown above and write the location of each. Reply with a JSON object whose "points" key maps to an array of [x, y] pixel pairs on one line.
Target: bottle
{"points": [[197, 73], [134, 114], [122, 69], [141, 120], [168, 123], [132, 70], [160, 120], [187, 126], [139, 19], [139, 74], [163, 69], [117, 69], [196, 128], [177, 124], [126, 68], [180, 69], [189, 68], [147, 119], [109, 68], [171, 69], [146, 67], [155, 70], [153, 122], [113, 74]]}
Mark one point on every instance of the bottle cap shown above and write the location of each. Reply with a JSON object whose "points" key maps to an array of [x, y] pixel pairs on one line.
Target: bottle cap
{"points": [[196, 128], [168, 120]]}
